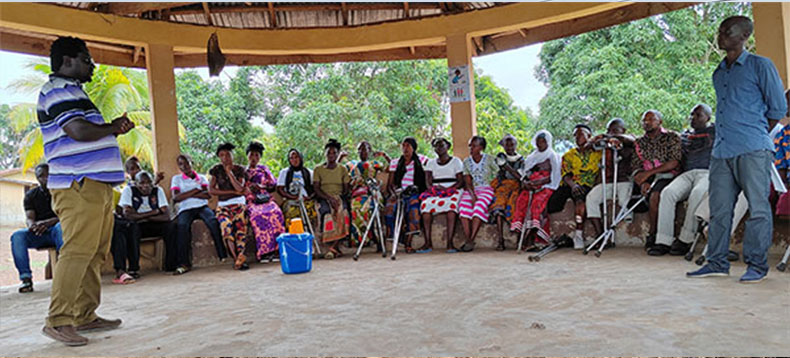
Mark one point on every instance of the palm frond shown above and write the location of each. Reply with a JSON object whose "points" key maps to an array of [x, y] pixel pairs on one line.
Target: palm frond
{"points": [[31, 150]]}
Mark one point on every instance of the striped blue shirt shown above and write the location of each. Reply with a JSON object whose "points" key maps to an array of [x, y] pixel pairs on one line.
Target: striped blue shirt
{"points": [[748, 93], [62, 100]]}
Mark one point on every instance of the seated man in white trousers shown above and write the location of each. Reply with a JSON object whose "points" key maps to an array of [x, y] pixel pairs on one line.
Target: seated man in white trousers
{"points": [[615, 130], [696, 145]]}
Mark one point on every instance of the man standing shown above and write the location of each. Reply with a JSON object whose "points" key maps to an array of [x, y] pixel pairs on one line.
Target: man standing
{"points": [[85, 163], [696, 144], [43, 228], [749, 103]]}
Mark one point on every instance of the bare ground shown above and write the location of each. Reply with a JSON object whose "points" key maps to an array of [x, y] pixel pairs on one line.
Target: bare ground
{"points": [[481, 304]]}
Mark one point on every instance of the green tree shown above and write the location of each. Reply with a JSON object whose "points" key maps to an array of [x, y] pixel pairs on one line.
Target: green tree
{"points": [[212, 114], [113, 90], [663, 62]]}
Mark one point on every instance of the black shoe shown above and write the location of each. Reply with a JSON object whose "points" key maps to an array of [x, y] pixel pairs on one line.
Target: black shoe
{"points": [[679, 248], [501, 246], [732, 256], [134, 274], [467, 247], [650, 240], [658, 250], [27, 286]]}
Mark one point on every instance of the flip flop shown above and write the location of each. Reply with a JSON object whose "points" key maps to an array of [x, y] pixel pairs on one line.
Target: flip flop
{"points": [[125, 279], [180, 271], [424, 251], [452, 251]]}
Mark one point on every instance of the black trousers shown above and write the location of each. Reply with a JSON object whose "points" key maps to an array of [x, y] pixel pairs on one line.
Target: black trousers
{"points": [[179, 247], [126, 241], [561, 195]]}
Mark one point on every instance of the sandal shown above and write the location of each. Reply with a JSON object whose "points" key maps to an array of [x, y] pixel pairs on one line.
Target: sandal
{"points": [[410, 250], [26, 287], [181, 270], [452, 250], [124, 279], [329, 255]]}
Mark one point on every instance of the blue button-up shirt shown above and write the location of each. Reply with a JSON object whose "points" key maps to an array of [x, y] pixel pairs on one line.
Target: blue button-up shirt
{"points": [[747, 94]]}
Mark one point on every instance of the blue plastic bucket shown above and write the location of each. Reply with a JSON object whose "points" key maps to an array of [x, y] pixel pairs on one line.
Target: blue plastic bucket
{"points": [[296, 252]]}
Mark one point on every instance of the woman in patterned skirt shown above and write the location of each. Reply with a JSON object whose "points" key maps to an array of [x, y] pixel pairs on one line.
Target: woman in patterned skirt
{"points": [[265, 216], [479, 170], [444, 179], [227, 183]]}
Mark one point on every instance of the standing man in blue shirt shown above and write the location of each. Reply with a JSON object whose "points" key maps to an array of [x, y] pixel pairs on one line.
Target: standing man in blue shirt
{"points": [[749, 103], [84, 164]]}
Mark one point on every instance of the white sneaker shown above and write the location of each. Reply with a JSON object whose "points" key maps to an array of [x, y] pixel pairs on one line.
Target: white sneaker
{"points": [[578, 243]]}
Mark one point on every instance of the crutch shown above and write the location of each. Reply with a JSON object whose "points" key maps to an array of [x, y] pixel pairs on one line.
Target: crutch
{"points": [[374, 222], [783, 265], [296, 189], [605, 215], [700, 229], [556, 243], [399, 214], [524, 223]]}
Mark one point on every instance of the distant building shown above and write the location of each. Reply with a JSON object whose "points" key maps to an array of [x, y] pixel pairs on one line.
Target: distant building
{"points": [[13, 186]]}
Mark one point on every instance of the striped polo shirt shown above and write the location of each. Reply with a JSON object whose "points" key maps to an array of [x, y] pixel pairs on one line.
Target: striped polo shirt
{"points": [[62, 100]]}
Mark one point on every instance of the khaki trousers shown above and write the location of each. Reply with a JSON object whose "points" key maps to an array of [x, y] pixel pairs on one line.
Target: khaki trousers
{"points": [[85, 213]]}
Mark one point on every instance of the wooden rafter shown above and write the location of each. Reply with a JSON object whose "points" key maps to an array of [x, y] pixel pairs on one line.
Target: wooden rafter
{"points": [[272, 14], [136, 55], [344, 12], [478, 45], [406, 10], [122, 8], [523, 33], [195, 9], [207, 13], [444, 7]]}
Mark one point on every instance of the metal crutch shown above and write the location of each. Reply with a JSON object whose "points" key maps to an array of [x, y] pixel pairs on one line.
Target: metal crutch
{"points": [[556, 243], [399, 214], [296, 189], [524, 222], [374, 222], [605, 215], [783, 264], [700, 228]]}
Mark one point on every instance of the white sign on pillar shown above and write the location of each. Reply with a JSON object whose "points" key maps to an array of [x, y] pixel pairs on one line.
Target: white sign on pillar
{"points": [[459, 83]]}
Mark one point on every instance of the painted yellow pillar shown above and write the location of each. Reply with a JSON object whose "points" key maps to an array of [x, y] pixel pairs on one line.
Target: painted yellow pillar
{"points": [[159, 62], [462, 114], [772, 34]]}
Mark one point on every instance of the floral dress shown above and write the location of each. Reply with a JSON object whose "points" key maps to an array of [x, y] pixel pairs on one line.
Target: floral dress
{"points": [[265, 216], [361, 205]]}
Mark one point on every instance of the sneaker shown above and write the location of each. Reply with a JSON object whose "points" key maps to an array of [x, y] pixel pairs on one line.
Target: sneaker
{"points": [[99, 324], [658, 250], [578, 243], [679, 248], [66, 335], [752, 276], [26, 286], [707, 271]]}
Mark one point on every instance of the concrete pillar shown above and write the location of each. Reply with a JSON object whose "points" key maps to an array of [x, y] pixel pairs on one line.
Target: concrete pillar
{"points": [[162, 92], [462, 114], [772, 34]]}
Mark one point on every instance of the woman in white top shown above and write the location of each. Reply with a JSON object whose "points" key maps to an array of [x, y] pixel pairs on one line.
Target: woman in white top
{"points": [[444, 180]]}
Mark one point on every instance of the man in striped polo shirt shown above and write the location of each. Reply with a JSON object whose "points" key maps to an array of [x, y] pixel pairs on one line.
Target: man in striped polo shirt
{"points": [[85, 163]]}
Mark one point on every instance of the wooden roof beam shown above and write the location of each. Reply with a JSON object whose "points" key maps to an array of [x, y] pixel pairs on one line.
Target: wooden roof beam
{"points": [[272, 14], [123, 8], [190, 10], [397, 54], [406, 10], [344, 12], [207, 14]]}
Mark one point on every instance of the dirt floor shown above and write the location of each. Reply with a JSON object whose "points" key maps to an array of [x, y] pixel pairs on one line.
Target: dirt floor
{"points": [[481, 304]]}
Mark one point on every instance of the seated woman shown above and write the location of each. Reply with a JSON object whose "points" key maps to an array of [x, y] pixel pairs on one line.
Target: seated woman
{"points": [[190, 191], [227, 183], [406, 175], [265, 216], [331, 185], [479, 170], [361, 207], [444, 179], [540, 177], [296, 176], [506, 186], [146, 211]]}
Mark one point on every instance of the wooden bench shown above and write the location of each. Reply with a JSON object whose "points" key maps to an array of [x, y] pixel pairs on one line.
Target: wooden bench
{"points": [[52, 256]]}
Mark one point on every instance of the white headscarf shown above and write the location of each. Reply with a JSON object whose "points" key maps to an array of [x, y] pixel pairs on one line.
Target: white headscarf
{"points": [[539, 157]]}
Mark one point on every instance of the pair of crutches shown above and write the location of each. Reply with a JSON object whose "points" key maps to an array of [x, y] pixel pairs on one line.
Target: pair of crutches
{"points": [[374, 223], [527, 217], [556, 243], [296, 189], [609, 232], [400, 217]]}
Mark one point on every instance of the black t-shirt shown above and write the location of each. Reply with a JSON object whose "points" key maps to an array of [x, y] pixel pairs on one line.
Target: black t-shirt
{"points": [[40, 201]]}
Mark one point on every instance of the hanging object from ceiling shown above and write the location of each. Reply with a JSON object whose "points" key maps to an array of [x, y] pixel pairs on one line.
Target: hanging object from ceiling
{"points": [[216, 60]]}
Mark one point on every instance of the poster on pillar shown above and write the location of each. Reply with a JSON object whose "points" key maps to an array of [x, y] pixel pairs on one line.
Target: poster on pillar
{"points": [[459, 83]]}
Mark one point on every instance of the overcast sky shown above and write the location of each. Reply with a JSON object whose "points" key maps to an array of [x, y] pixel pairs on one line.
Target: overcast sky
{"points": [[513, 70]]}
